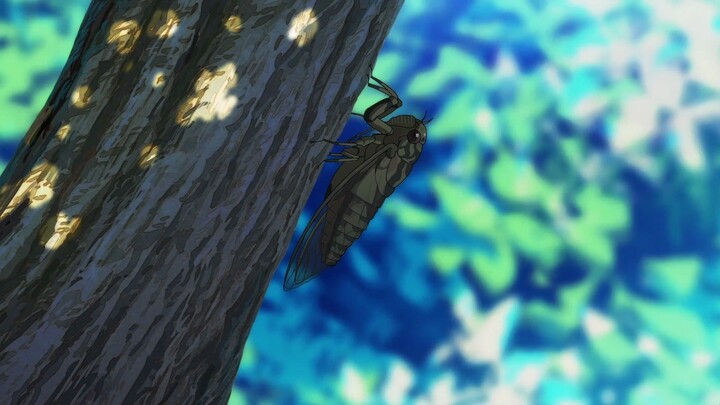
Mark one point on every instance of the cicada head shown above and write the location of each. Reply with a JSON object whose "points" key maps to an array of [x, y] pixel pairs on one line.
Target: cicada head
{"points": [[411, 134]]}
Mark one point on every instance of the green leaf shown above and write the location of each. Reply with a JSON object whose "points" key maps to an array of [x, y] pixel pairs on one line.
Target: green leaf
{"points": [[573, 150], [555, 322], [656, 391], [671, 322], [615, 351], [517, 181], [590, 244], [453, 64], [603, 211], [409, 215], [237, 397], [577, 295], [495, 271], [466, 103], [682, 374], [446, 259], [533, 238], [674, 277], [470, 211]]}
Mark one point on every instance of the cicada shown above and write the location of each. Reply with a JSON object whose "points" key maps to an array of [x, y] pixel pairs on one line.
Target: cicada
{"points": [[371, 168]]}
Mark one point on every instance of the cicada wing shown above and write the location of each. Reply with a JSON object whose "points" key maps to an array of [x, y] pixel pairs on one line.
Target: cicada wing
{"points": [[306, 260]]}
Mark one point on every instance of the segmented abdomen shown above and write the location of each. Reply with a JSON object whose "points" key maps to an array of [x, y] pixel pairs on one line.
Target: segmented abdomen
{"points": [[348, 216]]}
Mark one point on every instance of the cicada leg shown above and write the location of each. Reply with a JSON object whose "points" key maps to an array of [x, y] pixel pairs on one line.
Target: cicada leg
{"points": [[344, 154], [375, 113], [337, 160], [332, 142]]}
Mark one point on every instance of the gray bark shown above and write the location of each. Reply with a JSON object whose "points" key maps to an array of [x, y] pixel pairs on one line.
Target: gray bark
{"points": [[150, 203]]}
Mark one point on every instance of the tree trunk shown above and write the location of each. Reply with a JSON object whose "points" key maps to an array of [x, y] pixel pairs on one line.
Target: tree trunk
{"points": [[151, 201]]}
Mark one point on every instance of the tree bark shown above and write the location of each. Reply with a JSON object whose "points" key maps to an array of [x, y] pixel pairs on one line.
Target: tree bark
{"points": [[151, 201]]}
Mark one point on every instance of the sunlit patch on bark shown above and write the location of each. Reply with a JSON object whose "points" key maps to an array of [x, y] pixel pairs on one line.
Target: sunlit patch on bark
{"points": [[148, 154], [164, 23], [211, 99], [158, 79], [303, 27], [57, 230], [81, 97], [124, 35], [233, 23], [63, 132], [37, 187], [43, 191]]}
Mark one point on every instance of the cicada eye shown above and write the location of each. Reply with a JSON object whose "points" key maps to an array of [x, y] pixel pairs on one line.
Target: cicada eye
{"points": [[413, 136]]}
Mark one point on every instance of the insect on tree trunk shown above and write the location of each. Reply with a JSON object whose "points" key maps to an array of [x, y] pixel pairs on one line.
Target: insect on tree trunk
{"points": [[151, 201]]}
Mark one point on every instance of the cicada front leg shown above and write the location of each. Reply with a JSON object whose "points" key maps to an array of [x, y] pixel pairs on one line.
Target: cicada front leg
{"points": [[375, 113]]}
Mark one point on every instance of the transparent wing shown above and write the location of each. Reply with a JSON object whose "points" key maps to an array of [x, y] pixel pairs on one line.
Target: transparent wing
{"points": [[306, 260]]}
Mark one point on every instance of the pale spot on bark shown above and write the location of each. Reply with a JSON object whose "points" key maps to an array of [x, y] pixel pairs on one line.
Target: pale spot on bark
{"points": [[233, 23], [164, 23], [124, 35], [303, 27], [158, 79], [37, 187], [211, 99], [148, 154], [63, 132], [57, 230], [81, 97]]}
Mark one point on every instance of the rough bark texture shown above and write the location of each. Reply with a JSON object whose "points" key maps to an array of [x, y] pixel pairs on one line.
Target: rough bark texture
{"points": [[153, 198]]}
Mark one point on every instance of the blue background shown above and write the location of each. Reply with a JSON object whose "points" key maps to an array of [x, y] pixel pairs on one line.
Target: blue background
{"points": [[557, 243]]}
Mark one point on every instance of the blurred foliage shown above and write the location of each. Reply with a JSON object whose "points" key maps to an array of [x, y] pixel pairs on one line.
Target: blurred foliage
{"points": [[557, 240]]}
